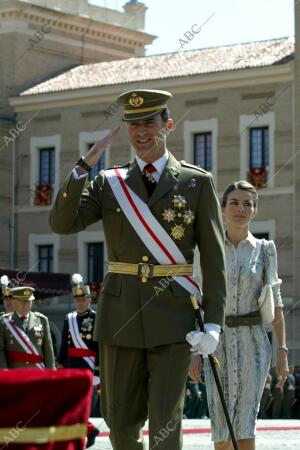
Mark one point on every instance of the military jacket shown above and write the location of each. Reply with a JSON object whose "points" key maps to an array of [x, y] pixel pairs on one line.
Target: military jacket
{"points": [[132, 313], [38, 331], [86, 324]]}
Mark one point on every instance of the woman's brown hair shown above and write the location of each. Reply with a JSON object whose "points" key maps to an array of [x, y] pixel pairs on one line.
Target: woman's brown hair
{"points": [[243, 186]]}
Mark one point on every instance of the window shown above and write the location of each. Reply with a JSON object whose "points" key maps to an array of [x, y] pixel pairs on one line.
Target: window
{"points": [[259, 148], [47, 166], [44, 169], [97, 167], [201, 144], [45, 258], [95, 260], [203, 150]]}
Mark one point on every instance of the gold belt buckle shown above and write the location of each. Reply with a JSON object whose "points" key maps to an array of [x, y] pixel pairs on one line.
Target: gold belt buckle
{"points": [[145, 271]]}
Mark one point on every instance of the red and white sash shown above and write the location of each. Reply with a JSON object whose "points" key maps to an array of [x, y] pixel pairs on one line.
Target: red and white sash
{"points": [[149, 230], [77, 341], [22, 338]]}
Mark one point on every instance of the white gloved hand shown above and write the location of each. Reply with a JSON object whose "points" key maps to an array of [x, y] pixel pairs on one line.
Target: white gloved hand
{"points": [[204, 343]]}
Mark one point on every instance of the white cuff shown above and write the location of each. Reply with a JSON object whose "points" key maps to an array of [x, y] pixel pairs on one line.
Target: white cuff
{"points": [[212, 327], [76, 176]]}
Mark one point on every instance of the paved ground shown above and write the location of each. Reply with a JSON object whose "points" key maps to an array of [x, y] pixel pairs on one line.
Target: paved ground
{"points": [[271, 435]]}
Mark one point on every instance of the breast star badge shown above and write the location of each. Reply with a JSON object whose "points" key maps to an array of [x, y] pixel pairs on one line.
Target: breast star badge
{"points": [[169, 215], [177, 232], [188, 217], [179, 201]]}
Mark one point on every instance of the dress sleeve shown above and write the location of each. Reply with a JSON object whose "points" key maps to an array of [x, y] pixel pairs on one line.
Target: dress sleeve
{"points": [[273, 275]]}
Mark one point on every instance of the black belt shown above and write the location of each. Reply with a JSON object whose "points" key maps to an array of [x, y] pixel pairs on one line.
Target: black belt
{"points": [[252, 318]]}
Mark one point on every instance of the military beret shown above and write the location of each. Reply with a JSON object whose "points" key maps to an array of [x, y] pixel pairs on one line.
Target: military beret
{"points": [[23, 293], [143, 104]]}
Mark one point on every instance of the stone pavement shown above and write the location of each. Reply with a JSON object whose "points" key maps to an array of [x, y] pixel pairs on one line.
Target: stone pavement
{"points": [[271, 435]]}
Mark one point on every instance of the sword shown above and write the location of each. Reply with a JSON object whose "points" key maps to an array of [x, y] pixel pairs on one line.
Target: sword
{"points": [[213, 363]]}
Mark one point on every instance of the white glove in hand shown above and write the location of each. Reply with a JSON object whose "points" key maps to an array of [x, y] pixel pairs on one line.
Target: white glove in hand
{"points": [[204, 343]]}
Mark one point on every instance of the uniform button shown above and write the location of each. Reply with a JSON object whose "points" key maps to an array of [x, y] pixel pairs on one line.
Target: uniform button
{"points": [[144, 280], [118, 210], [145, 258], [65, 195]]}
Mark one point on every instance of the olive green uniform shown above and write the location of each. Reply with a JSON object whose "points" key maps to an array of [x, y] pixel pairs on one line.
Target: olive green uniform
{"points": [[39, 334], [141, 327]]}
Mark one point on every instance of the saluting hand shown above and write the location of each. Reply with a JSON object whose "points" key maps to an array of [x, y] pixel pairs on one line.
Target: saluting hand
{"points": [[94, 154]]}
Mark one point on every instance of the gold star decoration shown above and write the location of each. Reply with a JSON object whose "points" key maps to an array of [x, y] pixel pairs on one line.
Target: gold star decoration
{"points": [[188, 217], [169, 215], [179, 201], [177, 232]]}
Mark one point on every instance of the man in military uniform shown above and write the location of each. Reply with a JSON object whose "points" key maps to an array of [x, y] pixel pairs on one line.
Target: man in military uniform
{"points": [[72, 354], [6, 295], [25, 338], [155, 210], [78, 349]]}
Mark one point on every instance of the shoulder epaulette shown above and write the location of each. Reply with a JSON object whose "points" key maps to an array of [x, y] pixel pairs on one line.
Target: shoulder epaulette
{"points": [[39, 314], [5, 315], [192, 166]]}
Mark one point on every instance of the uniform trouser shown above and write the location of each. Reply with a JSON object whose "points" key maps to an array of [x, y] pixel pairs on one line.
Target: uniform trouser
{"points": [[136, 383]]}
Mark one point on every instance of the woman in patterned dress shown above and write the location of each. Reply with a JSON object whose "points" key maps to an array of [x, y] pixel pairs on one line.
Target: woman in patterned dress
{"points": [[244, 351]]}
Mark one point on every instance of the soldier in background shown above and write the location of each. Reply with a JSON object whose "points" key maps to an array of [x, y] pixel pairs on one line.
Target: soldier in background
{"points": [[288, 395], [25, 338], [6, 295], [78, 350]]}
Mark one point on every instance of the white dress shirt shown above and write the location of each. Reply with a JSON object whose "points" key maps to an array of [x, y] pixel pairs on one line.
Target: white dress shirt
{"points": [[159, 165]]}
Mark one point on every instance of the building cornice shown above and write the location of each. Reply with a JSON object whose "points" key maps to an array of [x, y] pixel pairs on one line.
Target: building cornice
{"points": [[21, 17]]}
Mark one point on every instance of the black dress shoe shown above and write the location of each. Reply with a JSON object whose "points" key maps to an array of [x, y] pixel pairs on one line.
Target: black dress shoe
{"points": [[92, 438]]}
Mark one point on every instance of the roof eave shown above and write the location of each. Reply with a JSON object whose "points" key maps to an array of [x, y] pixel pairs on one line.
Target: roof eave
{"points": [[185, 83]]}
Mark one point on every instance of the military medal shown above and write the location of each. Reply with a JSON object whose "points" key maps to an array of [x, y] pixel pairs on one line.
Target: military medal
{"points": [[169, 215], [87, 324], [177, 232], [188, 217], [179, 201], [150, 177], [89, 336]]}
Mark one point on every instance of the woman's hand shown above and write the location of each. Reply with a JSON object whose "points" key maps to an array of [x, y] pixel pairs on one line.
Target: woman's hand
{"points": [[282, 367], [195, 368]]}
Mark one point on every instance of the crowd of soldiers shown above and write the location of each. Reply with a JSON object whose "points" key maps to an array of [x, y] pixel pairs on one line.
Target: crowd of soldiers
{"points": [[281, 403], [25, 337]]}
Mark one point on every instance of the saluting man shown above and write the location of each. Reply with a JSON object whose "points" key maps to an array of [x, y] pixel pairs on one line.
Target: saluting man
{"points": [[155, 210], [25, 338]]}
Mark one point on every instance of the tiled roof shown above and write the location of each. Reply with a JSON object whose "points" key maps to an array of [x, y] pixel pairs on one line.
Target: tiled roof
{"points": [[170, 65]]}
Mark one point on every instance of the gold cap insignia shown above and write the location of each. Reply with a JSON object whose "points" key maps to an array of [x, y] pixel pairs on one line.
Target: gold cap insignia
{"points": [[27, 292], [135, 100]]}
